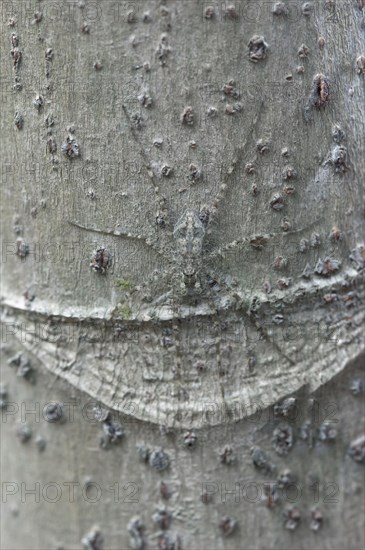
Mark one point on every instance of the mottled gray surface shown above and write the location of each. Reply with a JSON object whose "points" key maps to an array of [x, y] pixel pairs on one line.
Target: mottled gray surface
{"points": [[118, 118]]}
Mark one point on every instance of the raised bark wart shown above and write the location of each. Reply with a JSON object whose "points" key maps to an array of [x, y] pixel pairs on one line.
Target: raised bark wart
{"points": [[285, 225], [24, 433], [187, 116], [285, 478], [18, 120], [357, 386], [41, 443], [38, 16], [54, 412], [257, 48], [261, 461], [48, 54], [303, 51], [227, 456], [339, 158], [289, 172], [280, 263], [101, 260], [319, 95], [227, 526], [262, 146], [279, 8], [231, 12], [286, 408], [338, 134], [327, 432], [316, 520], [356, 449], [71, 148], [113, 433], [3, 396], [320, 92], [292, 516], [327, 267], [307, 9], [289, 190], [360, 64], [24, 366], [162, 518], [233, 109], [145, 100], [135, 529], [282, 439], [229, 90], [277, 202], [159, 460], [168, 541], [14, 39], [21, 248], [250, 168], [164, 491], [195, 174], [190, 439], [212, 111], [16, 54], [330, 298], [38, 102], [209, 12], [255, 190], [51, 145], [166, 170], [93, 540]]}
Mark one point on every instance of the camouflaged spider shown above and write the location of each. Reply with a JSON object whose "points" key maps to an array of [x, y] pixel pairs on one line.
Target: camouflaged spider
{"points": [[191, 271], [188, 274]]}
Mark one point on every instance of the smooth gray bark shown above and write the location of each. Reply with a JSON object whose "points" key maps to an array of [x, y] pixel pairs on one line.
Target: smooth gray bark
{"points": [[215, 157]]}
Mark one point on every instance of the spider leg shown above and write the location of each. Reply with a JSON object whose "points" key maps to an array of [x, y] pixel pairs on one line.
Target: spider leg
{"points": [[161, 213], [216, 323], [238, 296], [142, 152], [232, 246], [127, 234], [224, 188]]}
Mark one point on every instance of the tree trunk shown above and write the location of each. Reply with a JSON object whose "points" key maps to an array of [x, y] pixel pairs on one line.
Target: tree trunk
{"points": [[182, 274]]}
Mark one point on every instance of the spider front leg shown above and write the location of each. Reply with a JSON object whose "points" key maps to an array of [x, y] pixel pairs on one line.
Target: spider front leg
{"points": [[208, 213], [236, 298], [235, 245], [149, 241]]}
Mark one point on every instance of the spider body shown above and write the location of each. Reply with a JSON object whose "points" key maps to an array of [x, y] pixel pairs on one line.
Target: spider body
{"points": [[188, 235]]}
